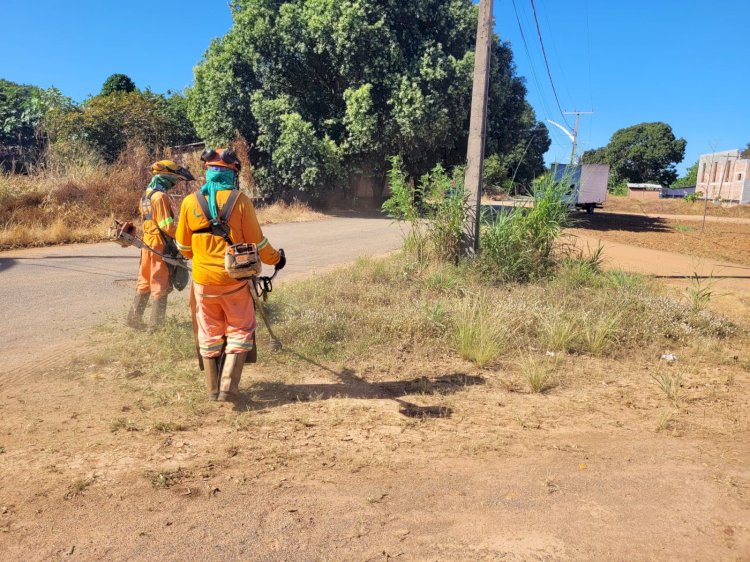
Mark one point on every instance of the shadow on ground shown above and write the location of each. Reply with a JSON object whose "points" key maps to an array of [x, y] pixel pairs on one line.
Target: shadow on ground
{"points": [[350, 385], [602, 222]]}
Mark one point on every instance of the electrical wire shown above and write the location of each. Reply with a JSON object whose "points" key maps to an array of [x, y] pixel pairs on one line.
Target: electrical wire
{"points": [[534, 75], [555, 58], [591, 87], [546, 63], [531, 60]]}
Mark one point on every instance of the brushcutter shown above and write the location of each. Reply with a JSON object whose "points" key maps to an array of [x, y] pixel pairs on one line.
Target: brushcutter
{"points": [[259, 287], [124, 234]]}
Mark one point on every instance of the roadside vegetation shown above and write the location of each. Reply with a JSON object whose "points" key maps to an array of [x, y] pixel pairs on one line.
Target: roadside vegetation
{"points": [[516, 312], [70, 199]]}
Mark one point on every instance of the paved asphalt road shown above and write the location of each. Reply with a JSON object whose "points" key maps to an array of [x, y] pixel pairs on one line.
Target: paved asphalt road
{"points": [[50, 297]]}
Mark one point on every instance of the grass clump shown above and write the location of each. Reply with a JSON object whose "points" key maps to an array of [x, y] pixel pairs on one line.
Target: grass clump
{"points": [[166, 478], [78, 487], [699, 292], [670, 385], [539, 374], [73, 196], [479, 335]]}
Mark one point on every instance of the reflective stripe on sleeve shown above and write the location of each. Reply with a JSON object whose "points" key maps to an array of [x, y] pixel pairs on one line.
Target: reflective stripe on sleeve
{"points": [[166, 222], [262, 244], [182, 246]]}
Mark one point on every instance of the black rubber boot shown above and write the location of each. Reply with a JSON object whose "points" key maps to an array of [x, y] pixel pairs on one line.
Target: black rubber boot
{"points": [[135, 315]]}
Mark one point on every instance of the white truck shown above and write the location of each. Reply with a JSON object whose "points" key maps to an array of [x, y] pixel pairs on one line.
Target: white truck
{"points": [[588, 184]]}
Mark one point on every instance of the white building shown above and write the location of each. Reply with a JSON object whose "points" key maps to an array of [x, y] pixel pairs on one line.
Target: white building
{"points": [[724, 176]]}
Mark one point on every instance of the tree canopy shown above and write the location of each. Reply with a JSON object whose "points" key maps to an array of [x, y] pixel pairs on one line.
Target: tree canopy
{"points": [[117, 83], [689, 179], [647, 152], [323, 88], [22, 114], [108, 123]]}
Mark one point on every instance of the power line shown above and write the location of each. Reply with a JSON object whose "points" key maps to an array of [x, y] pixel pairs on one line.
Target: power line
{"points": [[531, 60], [555, 58], [546, 63], [532, 67]]}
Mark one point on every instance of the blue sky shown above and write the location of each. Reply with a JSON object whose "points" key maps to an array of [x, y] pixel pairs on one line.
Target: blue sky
{"points": [[682, 62]]}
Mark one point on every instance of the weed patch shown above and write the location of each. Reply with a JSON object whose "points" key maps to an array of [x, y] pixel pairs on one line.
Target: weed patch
{"points": [[166, 478]]}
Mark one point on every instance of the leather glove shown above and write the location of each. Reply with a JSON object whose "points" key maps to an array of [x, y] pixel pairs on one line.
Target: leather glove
{"points": [[282, 260]]}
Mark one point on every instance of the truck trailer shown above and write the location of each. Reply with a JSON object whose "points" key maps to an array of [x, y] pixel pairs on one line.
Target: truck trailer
{"points": [[588, 184]]}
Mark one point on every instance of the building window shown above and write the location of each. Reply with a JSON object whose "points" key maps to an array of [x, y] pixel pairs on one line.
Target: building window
{"points": [[739, 176], [713, 171], [728, 171], [703, 173]]}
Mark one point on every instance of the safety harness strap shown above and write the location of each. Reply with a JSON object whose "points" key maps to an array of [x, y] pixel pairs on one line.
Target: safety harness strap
{"points": [[150, 215], [218, 226]]}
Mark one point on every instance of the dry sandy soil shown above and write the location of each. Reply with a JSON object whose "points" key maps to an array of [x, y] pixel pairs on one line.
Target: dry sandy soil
{"points": [[340, 463], [673, 207], [407, 457], [718, 240]]}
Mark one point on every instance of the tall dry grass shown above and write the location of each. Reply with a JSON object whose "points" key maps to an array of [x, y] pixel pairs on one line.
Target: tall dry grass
{"points": [[74, 196]]}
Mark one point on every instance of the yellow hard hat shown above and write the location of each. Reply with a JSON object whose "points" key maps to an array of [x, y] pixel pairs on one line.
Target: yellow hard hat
{"points": [[170, 168]]}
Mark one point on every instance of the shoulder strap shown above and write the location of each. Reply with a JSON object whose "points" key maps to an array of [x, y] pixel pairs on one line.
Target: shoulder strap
{"points": [[226, 210], [146, 200], [203, 205], [218, 226]]}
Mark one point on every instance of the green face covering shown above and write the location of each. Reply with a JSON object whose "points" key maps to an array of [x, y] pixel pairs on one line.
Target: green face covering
{"points": [[216, 180], [163, 182]]}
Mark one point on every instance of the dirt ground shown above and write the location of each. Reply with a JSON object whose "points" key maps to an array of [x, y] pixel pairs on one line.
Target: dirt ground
{"points": [[339, 462], [718, 241], [407, 456], [673, 207]]}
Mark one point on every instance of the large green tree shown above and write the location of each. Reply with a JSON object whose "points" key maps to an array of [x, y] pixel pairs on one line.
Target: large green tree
{"points": [[108, 123], [23, 110], [321, 88], [117, 83], [647, 152]]}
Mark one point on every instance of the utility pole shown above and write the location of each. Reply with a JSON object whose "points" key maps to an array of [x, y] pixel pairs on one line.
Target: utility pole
{"points": [[572, 135], [477, 130], [575, 131]]}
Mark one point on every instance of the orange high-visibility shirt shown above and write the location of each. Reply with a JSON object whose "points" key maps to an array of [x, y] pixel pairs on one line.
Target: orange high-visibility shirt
{"points": [[206, 250], [162, 217]]}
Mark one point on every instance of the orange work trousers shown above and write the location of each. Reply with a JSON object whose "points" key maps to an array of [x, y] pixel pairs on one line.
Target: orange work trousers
{"points": [[153, 276], [224, 311]]}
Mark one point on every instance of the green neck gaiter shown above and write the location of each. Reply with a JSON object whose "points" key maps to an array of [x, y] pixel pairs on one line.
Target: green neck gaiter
{"points": [[162, 182], [216, 180]]}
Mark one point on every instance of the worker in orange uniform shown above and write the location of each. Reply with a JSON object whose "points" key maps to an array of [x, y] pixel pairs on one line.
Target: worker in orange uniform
{"points": [[158, 232], [212, 219]]}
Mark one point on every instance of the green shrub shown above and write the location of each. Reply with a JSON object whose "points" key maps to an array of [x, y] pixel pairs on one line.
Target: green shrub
{"points": [[433, 208], [518, 245]]}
